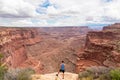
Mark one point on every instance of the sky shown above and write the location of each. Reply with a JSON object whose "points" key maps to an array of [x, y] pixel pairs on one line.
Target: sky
{"points": [[41, 13]]}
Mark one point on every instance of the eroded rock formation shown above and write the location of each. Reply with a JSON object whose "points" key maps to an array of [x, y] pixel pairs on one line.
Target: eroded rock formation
{"points": [[57, 44], [13, 42], [102, 48]]}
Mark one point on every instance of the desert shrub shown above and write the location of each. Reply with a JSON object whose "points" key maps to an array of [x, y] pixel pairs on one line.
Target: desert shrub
{"points": [[3, 70], [25, 74], [96, 72], [12, 74], [86, 78], [84, 74], [115, 74], [87, 75], [19, 74], [105, 77], [1, 56]]}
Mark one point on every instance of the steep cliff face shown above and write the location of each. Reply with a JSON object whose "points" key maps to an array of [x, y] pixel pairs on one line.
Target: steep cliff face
{"points": [[13, 42], [102, 48]]}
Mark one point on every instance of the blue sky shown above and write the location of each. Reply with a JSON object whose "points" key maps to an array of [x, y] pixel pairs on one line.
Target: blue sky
{"points": [[93, 13]]}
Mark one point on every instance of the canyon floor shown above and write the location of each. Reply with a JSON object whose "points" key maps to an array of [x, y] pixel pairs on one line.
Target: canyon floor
{"points": [[58, 44]]}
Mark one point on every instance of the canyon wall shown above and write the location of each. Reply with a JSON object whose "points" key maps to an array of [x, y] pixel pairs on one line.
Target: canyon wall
{"points": [[102, 48], [13, 42], [57, 44], [41, 47]]}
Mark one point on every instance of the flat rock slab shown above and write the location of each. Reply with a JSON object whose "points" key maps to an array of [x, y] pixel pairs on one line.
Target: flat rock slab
{"points": [[52, 76]]}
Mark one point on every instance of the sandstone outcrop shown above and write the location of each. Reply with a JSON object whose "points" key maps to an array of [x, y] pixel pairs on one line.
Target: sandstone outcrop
{"points": [[13, 42], [102, 48]]}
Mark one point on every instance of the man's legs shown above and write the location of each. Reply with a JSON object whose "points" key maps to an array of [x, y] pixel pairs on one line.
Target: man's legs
{"points": [[63, 75], [58, 71], [62, 72]]}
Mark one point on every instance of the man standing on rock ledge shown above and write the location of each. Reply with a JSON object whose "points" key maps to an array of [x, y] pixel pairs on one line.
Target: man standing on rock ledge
{"points": [[62, 68]]}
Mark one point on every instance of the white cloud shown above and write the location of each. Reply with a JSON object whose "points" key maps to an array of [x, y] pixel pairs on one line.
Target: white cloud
{"points": [[22, 23], [16, 8], [52, 10], [112, 9], [59, 12]]}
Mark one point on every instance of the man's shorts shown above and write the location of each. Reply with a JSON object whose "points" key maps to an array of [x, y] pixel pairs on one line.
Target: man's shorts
{"points": [[62, 70]]}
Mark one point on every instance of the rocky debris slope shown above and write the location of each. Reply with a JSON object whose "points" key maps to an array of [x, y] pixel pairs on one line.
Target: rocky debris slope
{"points": [[52, 76], [13, 43], [102, 48]]}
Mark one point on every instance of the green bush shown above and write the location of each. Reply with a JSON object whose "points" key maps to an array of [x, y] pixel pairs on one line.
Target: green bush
{"points": [[86, 75], [12, 74], [1, 56], [105, 77], [96, 72], [3, 68], [115, 74], [25, 74]]}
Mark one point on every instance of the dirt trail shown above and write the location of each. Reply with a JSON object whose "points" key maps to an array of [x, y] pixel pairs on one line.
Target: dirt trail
{"points": [[52, 76]]}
